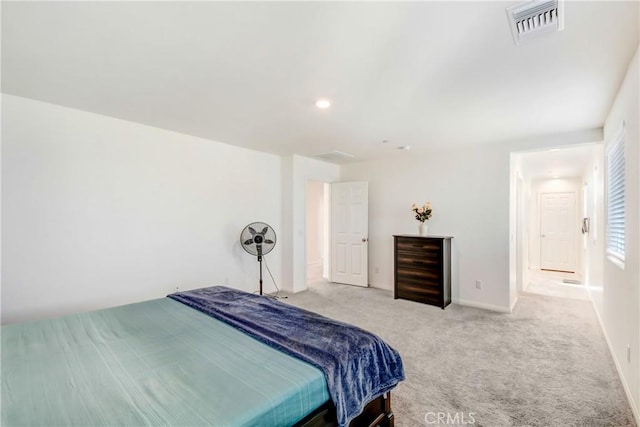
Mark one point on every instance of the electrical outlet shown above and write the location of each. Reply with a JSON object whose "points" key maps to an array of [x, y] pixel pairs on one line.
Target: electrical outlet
{"points": [[628, 353], [478, 284], [176, 288]]}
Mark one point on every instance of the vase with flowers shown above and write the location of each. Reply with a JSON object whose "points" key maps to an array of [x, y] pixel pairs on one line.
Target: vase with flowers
{"points": [[423, 214]]}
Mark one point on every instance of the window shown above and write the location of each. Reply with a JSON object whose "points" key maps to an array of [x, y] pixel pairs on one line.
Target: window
{"points": [[616, 198]]}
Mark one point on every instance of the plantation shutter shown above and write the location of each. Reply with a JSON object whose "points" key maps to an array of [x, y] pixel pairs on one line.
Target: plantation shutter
{"points": [[616, 197]]}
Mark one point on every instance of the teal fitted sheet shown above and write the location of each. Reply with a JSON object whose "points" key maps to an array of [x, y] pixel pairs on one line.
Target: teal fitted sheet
{"points": [[153, 363]]}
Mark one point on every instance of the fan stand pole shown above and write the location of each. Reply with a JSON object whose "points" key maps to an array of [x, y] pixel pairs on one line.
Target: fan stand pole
{"points": [[260, 261]]}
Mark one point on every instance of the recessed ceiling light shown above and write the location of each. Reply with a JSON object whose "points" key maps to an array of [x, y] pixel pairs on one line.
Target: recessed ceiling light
{"points": [[554, 149], [323, 104], [404, 147]]}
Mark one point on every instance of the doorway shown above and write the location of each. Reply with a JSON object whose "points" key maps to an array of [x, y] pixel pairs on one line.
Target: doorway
{"points": [[549, 199], [558, 231], [317, 231], [554, 243], [336, 233]]}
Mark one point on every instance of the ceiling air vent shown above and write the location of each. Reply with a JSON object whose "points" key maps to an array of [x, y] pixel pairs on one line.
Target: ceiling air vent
{"points": [[335, 156], [534, 18]]}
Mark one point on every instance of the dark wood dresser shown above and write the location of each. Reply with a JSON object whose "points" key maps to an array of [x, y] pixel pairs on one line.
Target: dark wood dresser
{"points": [[423, 269]]}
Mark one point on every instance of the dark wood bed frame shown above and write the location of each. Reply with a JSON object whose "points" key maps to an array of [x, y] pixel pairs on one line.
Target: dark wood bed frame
{"points": [[375, 413]]}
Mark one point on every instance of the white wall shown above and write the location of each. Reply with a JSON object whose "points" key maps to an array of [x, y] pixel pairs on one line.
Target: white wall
{"points": [[518, 241], [1, 257], [315, 219], [594, 255], [619, 308], [523, 199], [559, 185], [100, 212], [296, 172], [470, 192], [326, 230]]}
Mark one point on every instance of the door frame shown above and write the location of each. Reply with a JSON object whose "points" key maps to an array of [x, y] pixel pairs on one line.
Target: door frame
{"points": [[327, 217], [521, 236]]}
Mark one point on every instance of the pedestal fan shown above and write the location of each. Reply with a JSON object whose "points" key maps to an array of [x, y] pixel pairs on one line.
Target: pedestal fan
{"points": [[258, 239]]}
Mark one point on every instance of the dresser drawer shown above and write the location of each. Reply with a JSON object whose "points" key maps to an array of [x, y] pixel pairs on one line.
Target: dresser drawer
{"points": [[419, 245], [418, 288], [416, 293], [418, 275], [429, 261]]}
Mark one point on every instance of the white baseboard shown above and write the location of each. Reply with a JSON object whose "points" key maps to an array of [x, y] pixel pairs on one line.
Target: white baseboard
{"points": [[485, 306], [616, 363], [513, 304]]}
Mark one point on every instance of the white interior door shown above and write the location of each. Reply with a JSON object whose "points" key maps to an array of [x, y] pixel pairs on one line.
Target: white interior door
{"points": [[558, 231], [349, 233]]}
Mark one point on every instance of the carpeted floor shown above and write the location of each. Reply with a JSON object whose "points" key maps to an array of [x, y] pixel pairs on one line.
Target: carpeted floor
{"points": [[546, 364]]}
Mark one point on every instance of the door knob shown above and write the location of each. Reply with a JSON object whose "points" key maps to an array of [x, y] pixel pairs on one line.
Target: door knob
{"points": [[364, 240]]}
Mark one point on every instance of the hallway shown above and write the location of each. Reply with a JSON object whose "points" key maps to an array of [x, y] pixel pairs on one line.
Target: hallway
{"points": [[557, 284]]}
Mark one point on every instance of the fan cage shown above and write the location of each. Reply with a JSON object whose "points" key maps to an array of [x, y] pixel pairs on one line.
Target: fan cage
{"points": [[258, 238]]}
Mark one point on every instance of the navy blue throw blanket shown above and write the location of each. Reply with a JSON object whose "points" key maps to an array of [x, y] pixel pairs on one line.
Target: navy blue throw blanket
{"points": [[358, 365]]}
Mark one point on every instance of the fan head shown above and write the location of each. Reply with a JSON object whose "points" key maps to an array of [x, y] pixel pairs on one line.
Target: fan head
{"points": [[258, 238]]}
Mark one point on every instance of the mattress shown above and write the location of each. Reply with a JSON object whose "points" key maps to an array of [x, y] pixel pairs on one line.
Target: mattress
{"points": [[158, 362]]}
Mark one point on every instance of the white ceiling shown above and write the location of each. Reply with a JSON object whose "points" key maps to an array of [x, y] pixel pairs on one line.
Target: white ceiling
{"points": [[557, 162], [425, 74]]}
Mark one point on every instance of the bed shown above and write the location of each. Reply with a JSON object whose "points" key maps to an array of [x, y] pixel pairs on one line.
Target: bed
{"points": [[169, 362]]}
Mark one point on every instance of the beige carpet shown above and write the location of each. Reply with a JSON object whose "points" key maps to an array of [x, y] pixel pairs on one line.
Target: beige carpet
{"points": [[546, 364]]}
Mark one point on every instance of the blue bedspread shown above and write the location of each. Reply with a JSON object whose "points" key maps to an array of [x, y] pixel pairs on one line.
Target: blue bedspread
{"points": [[358, 365]]}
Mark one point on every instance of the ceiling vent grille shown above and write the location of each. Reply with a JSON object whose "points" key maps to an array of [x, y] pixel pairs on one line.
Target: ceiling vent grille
{"points": [[335, 156], [535, 18]]}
